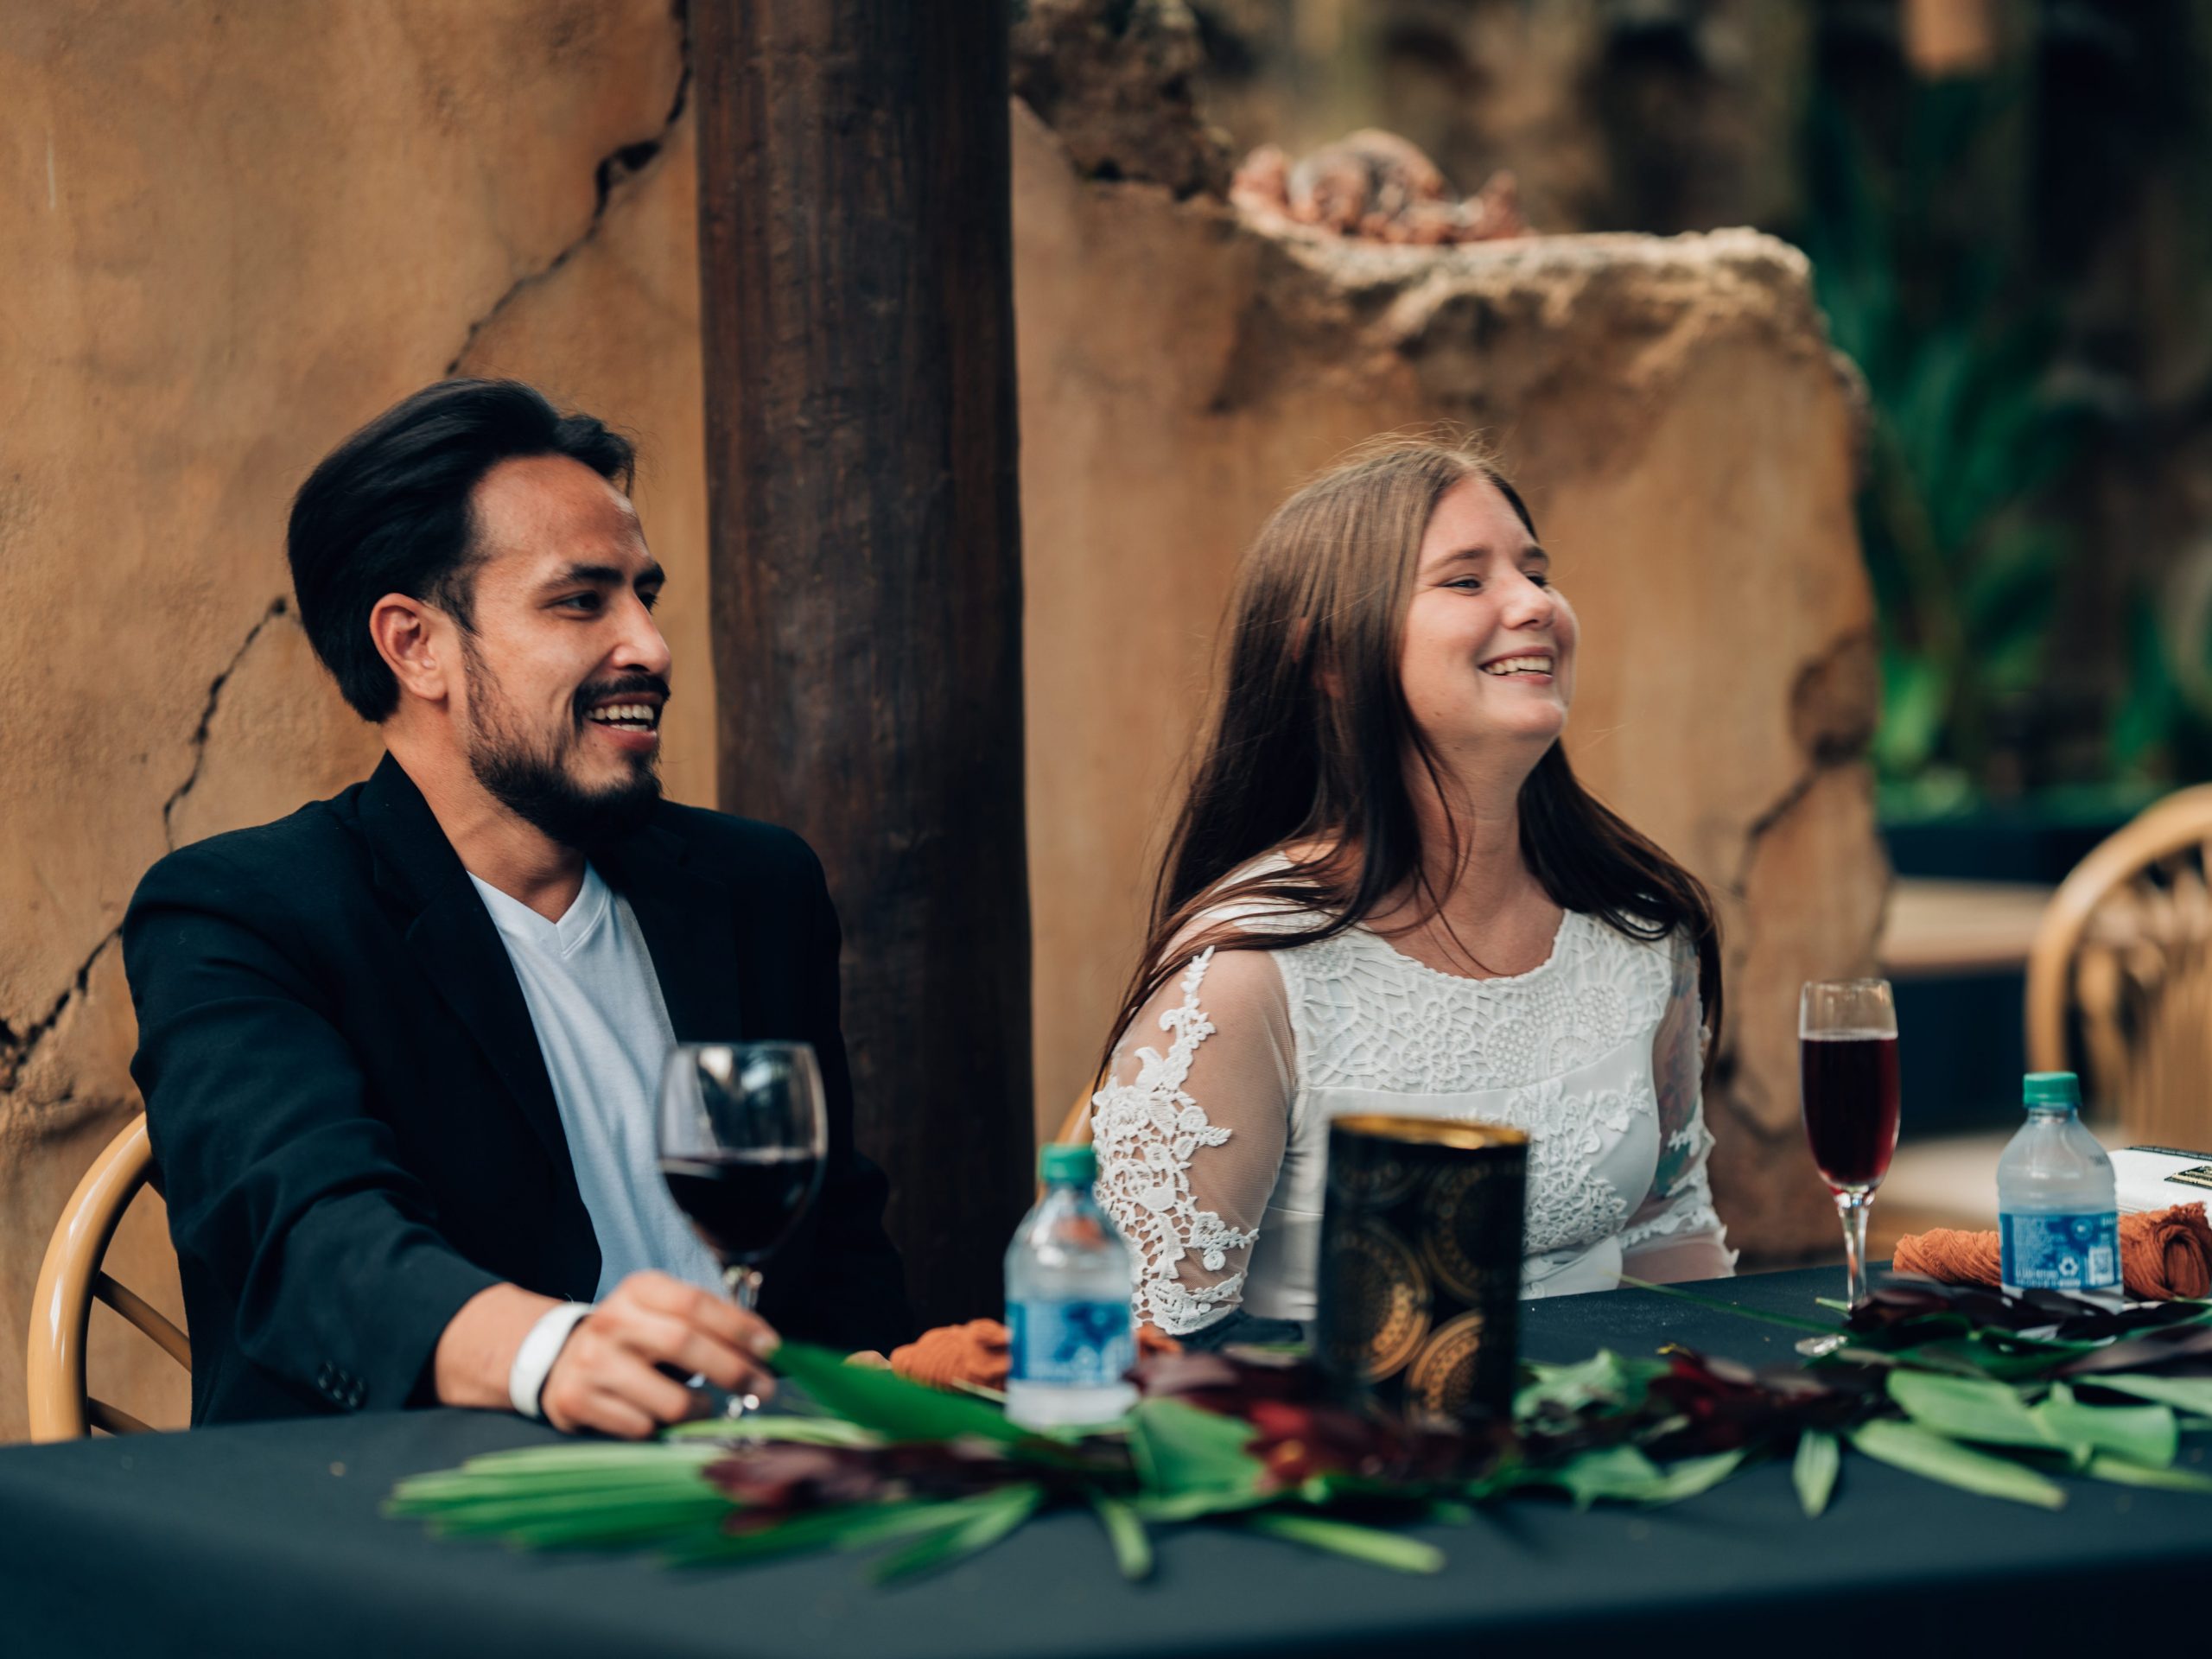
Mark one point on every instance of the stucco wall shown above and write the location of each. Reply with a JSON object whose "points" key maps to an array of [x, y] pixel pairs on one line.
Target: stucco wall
{"points": [[241, 234], [235, 233], [1685, 438]]}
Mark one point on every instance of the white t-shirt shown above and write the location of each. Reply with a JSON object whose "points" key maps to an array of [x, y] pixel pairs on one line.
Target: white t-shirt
{"points": [[596, 1001]]}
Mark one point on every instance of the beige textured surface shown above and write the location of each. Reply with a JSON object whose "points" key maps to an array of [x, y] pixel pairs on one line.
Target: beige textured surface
{"points": [[1684, 439], [233, 235], [243, 242]]}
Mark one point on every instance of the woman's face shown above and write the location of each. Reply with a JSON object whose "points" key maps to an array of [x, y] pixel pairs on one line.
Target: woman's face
{"points": [[1488, 665]]}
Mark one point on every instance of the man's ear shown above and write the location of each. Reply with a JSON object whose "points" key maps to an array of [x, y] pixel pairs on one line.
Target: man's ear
{"points": [[417, 644]]}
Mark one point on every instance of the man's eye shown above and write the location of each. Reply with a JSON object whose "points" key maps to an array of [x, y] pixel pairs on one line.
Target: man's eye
{"points": [[1539, 578], [582, 602], [651, 597]]}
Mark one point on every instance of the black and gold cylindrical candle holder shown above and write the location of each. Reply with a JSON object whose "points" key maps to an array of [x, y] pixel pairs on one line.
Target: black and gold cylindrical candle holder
{"points": [[1420, 1266]]}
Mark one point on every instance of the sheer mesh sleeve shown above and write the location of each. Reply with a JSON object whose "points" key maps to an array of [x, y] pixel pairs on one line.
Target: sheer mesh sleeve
{"points": [[1191, 1135], [1675, 1233]]}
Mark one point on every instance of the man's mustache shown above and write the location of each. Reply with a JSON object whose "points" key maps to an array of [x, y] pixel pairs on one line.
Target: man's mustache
{"points": [[628, 684]]}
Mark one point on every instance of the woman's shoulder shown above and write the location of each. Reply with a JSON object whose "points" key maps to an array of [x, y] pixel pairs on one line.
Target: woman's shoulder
{"points": [[1645, 952], [1263, 894]]}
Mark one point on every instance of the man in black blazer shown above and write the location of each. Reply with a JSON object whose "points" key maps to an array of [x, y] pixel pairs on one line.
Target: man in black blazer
{"points": [[397, 1049]]}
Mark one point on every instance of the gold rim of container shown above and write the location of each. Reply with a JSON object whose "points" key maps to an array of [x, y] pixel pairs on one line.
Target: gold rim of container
{"points": [[1432, 1132]]}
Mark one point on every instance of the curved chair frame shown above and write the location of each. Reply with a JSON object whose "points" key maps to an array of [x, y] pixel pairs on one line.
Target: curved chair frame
{"points": [[69, 1280], [2056, 980], [1075, 1128]]}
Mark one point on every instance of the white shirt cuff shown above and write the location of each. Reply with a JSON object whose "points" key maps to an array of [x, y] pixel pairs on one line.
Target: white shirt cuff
{"points": [[534, 1358]]}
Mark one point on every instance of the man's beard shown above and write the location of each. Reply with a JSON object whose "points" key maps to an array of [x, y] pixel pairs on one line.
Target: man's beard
{"points": [[530, 779]]}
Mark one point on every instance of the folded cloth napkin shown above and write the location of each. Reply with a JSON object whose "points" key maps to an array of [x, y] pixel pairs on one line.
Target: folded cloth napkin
{"points": [[977, 1353], [2164, 1254]]}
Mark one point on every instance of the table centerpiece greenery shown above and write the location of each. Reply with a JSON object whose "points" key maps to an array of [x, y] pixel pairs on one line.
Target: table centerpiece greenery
{"points": [[2007, 1397]]}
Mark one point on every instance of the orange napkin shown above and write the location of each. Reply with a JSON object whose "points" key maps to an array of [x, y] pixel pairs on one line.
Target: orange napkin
{"points": [[2163, 1254], [976, 1353]]}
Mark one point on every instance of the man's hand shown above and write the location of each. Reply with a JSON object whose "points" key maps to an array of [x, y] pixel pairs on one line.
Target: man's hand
{"points": [[609, 1376]]}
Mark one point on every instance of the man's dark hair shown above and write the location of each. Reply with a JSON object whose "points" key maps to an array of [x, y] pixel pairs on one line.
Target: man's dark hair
{"points": [[388, 513]]}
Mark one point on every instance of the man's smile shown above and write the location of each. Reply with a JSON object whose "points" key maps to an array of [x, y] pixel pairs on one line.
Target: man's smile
{"points": [[630, 718]]}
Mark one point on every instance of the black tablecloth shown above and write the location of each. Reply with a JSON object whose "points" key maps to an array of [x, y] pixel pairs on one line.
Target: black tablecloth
{"points": [[267, 1540]]}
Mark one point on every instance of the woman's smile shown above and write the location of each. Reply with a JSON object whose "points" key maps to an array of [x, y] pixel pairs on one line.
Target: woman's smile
{"points": [[1533, 664]]}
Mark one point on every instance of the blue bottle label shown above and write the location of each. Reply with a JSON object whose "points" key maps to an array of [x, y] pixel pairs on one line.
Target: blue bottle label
{"points": [[2060, 1252], [1069, 1344]]}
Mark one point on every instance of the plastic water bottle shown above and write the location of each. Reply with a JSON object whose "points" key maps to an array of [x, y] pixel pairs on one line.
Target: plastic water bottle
{"points": [[1067, 1303], [2058, 1215]]}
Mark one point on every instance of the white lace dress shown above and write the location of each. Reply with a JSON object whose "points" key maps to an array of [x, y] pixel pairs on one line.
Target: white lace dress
{"points": [[1211, 1147]]}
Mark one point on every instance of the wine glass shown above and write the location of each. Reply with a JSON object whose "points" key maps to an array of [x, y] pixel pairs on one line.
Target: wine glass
{"points": [[1847, 1076], [743, 1132]]}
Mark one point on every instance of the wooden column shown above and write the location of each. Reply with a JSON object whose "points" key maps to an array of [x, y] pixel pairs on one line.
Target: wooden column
{"points": [[855, 255]]}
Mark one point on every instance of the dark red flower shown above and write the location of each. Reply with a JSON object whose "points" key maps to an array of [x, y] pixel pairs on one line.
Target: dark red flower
{"points": [[1907, 1309], [1728, 1405], [1219, 1383], [780, 1477], [1297, 1442], [775, 1478]]}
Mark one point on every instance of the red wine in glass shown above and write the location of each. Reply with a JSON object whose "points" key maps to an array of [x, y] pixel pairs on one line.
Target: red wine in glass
{"points": [[1847, 1077], [742, 1133], [743, 1204], [1850, 1084]]}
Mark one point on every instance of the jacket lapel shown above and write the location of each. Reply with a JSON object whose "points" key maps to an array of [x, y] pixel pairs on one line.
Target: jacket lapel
{"points": [[685, 915], [458, 948]]}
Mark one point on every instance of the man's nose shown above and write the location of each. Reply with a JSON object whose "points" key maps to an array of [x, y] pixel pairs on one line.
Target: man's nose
{"points": [[643, 647]]}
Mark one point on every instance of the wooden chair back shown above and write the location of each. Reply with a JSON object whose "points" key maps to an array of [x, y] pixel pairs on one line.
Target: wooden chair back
{"points": [[1075, 1128], [2122, 964], [68, 1281]]}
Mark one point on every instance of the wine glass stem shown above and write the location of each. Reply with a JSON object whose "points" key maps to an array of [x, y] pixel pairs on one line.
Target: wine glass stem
{"points": [[744, 1284], [1852, 1207]]}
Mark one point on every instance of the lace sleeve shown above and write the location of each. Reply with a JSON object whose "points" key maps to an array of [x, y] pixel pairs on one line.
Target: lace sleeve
{"points": [[1191, 1140], [1676, 1233]]}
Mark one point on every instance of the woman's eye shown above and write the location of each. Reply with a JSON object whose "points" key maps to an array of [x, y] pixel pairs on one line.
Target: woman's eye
{"points": [[1466, 584], [1539, 578]]}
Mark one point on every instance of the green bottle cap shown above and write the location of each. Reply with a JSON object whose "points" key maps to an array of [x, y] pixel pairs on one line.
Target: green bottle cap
{"points": [[2053, 1088], [1062, 1162]]}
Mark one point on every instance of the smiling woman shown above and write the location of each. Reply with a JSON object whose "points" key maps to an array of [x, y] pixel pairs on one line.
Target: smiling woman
{"points": [[1387, 891]]}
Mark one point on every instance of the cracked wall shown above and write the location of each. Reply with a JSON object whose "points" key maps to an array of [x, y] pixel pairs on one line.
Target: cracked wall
{"points": [[245, 241], [1686, 439], [234, 235]]}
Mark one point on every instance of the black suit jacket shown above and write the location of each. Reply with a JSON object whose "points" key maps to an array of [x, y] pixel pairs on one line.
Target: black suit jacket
{"points": [[351, 1120]]}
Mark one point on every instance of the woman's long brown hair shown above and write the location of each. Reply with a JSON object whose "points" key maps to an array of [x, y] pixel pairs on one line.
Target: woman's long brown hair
{"points": [[1320, 602]]}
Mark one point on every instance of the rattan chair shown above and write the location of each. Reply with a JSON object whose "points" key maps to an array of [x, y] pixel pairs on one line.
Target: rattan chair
{"points": [[2122, 966], [70, 1278]]}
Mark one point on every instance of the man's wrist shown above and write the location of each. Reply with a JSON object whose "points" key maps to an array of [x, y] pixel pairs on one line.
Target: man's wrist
{"points": [[540, 1348]]}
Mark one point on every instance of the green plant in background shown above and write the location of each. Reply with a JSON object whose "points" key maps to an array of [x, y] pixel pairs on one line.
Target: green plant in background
{"points": [[1966, 437]]}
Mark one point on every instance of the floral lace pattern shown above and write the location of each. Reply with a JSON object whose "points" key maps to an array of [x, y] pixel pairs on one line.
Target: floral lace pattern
{"points": [[1679, 1053], [1596, 1053], [1369, 1017], [1571, 1204], [1146, 1130]]}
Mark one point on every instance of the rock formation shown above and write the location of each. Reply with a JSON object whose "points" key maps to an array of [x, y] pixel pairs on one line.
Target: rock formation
{"points": [[1686, 438]]}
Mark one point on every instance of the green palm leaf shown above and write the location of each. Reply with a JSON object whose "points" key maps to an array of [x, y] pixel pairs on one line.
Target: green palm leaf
{"points": [[1921, 1452], [1813, 1470]]}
